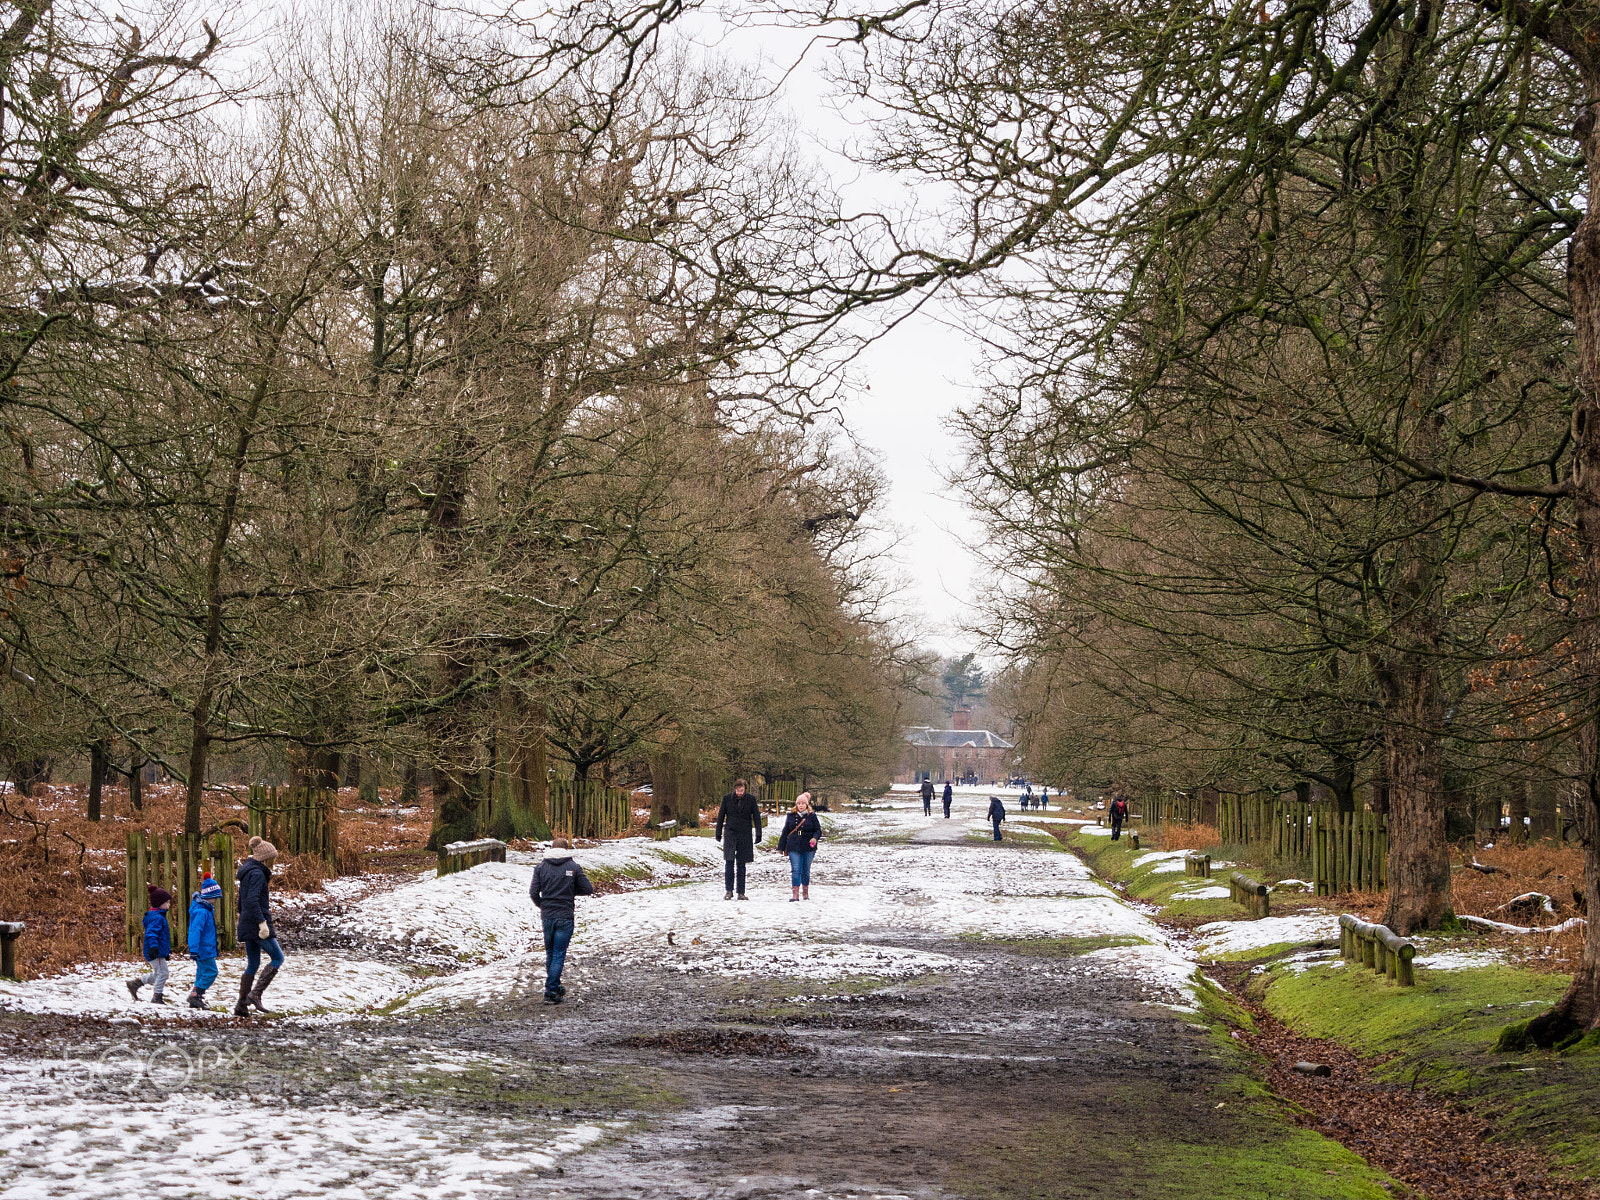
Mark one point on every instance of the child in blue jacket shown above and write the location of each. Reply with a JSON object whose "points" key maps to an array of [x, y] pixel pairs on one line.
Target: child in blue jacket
{"points": [[157, 945], [203, 939]]}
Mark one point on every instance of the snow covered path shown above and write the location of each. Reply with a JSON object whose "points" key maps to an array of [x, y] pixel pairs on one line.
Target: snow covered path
{"points": [[391, 1080]]}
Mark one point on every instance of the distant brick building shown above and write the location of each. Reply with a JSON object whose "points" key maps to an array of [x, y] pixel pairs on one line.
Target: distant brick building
{"points": [[959, 755]]}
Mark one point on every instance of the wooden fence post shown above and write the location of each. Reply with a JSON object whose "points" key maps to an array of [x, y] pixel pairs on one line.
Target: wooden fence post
{"points": [[10, 931]]}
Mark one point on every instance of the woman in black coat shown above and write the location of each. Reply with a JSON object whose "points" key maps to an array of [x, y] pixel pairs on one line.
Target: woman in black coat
{"points": [[256, 931], [801, 833], [740, 819]]}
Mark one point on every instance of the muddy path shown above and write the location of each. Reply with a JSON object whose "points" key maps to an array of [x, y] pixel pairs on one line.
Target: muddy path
{"points": [[916, 1061]]}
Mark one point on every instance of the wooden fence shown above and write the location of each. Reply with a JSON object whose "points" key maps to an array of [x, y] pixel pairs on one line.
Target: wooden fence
{"points": [[778, 796], [177, 861], [1173, 809], [1349, 851], [297, 820], [1343, 851], [587, 808]]}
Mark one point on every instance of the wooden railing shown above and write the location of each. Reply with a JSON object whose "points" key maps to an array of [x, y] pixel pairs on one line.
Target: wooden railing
{"points": [[1197, 864], [1248, 892], [1378, 947], [463, 856]]}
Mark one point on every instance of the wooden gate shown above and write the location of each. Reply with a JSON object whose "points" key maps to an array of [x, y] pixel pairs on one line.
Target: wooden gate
{"points": [[177, 861]]}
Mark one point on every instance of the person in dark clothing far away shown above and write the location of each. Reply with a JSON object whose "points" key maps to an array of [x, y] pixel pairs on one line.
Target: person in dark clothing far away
{"points": [[739, 819], [801, 833], [557, 881], [949, 794], [997, 813], [927, 797], [1118, 814]]}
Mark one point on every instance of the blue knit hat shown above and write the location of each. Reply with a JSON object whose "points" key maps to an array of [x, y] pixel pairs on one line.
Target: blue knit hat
{"points": [[210, 889]]}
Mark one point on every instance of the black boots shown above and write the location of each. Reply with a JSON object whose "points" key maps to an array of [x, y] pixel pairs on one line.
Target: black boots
{"points": [[242, 1009], [197, 999], [263, 982]]}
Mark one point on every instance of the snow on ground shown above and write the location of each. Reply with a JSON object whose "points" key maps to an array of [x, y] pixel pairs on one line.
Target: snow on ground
{"points": [[873, 886], [64, 1139], [316, 982], [1233, 937], [1458, 960], [1211, 892]]}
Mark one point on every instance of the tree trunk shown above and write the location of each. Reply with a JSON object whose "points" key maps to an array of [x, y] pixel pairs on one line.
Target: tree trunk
{"points": [[1516, 791], [1542, 792], [1419, 860], [663, 790], [691, 790], [97, 777], [409, 785], [1380, 785], [136, 784], [1579, 1009], [352, 770]]}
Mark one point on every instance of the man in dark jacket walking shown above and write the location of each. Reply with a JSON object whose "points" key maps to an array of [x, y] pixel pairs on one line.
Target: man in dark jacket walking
{"points": [[949, 795], [557, 881], [927, 797], [997, 813], [1118, 814], [739, 819]]}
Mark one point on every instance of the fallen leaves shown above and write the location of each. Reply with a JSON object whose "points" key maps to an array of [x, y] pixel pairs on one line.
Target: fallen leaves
{"points": [[1431, 1145]]}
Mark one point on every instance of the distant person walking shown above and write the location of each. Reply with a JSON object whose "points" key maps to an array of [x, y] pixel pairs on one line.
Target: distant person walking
{"points": [[557, 882], [949, 795], [801, 833], [256, 931], [1118, 814], [739, 831], [927, 797], [997, 813]]}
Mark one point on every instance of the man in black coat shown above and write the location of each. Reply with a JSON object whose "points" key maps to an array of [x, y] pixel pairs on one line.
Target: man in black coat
{"points": [[949, 795], [557, 882], [997, 813], [1118, 814], [927, 797], [740, 819]]}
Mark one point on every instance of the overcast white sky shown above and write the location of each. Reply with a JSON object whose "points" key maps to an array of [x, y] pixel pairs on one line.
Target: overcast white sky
{"points": [[914, 377]]}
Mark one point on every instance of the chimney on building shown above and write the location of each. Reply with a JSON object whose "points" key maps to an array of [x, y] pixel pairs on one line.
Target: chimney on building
{"points": [[962, 719]]}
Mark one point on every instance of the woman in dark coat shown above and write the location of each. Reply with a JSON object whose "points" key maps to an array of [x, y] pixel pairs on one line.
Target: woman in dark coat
{"points": [[801, 833], [256, 931], [740, 819]]}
